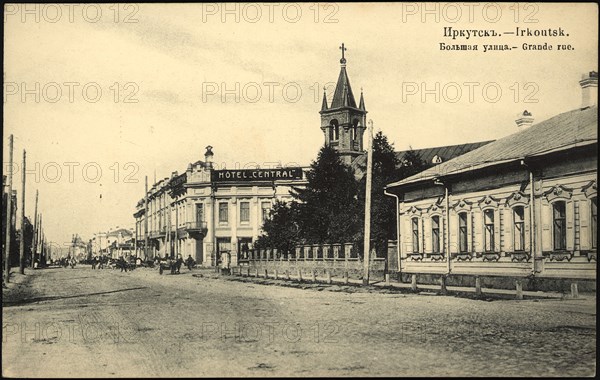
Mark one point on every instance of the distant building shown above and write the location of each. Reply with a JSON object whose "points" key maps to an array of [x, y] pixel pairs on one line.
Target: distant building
{"points": [[78, 248], [114, 243], [523, 205]]}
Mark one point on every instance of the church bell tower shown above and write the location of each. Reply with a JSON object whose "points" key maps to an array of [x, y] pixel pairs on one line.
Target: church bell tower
{"points": [[343, 123]]}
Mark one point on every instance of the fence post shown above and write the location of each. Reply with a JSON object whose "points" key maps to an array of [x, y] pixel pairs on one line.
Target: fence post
{"points": [[312, 275], [328, 276], [346, 280], [574, 290], [276, 274], [299, 274], [443, 289], [413, 282], [519, 285], [478, 285]]}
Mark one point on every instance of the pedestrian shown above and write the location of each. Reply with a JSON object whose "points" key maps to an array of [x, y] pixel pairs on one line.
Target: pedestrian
{"points": [[190, 262]]}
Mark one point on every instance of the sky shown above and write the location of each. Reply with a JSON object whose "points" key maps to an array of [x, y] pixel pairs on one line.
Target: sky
{"points": [[101, 96]]}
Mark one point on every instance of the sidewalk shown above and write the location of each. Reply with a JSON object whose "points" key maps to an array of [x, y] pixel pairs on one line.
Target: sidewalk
{"points": [[421, 288]]}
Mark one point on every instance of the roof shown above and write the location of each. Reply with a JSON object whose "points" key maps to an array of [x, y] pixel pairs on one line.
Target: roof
{"points": [[122, 231], [564, 131], [343, 96], [445, 153]]}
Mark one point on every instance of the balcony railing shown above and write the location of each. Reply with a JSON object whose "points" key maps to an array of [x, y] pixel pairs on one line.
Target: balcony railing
{"points": [[195, 226]]}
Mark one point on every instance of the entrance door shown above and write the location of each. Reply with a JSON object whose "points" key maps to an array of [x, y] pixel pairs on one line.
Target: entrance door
{"points": [[199, 251], [223, 245]]}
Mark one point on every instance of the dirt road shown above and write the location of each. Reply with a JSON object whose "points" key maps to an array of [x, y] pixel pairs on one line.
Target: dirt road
{"points": [[64, 322]]}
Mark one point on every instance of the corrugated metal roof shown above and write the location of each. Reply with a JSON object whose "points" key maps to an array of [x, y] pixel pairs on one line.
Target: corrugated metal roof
{"points": [[557, 133], [445, 153]]}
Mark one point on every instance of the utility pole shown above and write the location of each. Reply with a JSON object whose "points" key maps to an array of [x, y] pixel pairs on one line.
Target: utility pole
{"points": [[40, 242], [8, 211], [146, 221], [35, 227], [22, 240], [367, 239]]}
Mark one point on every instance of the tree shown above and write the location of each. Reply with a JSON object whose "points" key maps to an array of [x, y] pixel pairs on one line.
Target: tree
{"points": [[281, 228], [328, 210], [387, 168]]}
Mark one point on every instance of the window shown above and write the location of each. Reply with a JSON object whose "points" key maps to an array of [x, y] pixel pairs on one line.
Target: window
{"points": [[488, 216], [560, 224], [594, 215], [415, 234], [334, 131], [462, 232], [244, 212], [199, 212], [519, 228], [266, 209], [223, 212], [435, 234]]}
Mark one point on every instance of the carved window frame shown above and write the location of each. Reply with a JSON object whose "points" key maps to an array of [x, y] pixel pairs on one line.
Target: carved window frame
{"points": [[558, 193]]}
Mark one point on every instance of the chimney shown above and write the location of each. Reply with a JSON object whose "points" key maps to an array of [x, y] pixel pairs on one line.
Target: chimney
{"points": [[524, 120], [589, 89], [208, 156]]}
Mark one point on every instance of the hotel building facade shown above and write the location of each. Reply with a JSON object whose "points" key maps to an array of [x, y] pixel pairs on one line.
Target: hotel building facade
{"points": [[205, 212]]}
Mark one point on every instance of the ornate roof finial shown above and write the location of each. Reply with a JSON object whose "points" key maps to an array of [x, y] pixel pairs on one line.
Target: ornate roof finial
{"points": [[343, 49]]}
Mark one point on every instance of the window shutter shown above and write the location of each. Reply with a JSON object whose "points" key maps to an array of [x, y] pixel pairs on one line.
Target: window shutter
{"points": [[527, 220], [508, 230], [478, 244], [454, 232], [570, 211], [585, 234], [546, 227], [421, 236], [497, 230], [407, 246], [470, 232], [428, 235]]}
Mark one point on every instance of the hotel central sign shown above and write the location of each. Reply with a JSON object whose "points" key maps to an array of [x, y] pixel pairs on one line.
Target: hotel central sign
{"points": [[245, 175]]}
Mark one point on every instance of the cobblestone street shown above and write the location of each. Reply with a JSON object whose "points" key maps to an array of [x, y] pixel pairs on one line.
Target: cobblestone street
{"points": [[80, 322]]}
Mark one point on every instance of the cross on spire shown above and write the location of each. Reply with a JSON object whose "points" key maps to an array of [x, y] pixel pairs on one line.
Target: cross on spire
{"points": [[343, 49]]}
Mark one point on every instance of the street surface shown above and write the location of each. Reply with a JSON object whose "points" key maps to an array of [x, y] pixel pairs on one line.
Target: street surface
{"points": [[63, 322]]}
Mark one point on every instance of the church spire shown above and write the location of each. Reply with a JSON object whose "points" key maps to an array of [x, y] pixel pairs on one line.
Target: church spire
{"points": [[343, 123], [343, 96], [361, 106], [324, 105]]}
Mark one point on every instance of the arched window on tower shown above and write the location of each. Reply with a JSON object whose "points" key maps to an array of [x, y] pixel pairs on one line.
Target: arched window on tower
{"points": [[334, 131], [355, 130]]}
